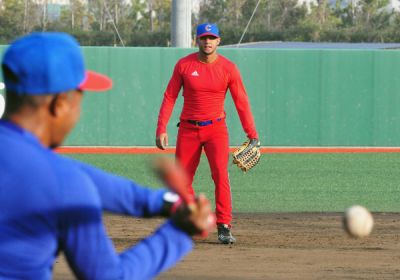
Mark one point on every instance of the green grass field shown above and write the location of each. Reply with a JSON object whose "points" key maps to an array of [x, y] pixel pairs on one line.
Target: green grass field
{"points": [[287, 182]]}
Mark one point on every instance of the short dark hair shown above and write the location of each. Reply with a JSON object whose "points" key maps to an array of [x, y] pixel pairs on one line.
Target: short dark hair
{"points": [[15, 102]]}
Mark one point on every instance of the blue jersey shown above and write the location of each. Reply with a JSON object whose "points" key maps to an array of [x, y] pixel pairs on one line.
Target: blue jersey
{"points": [[49, 204]]}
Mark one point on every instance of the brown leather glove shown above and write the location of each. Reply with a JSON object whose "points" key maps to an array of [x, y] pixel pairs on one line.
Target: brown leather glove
{"points": [[248, 155]]}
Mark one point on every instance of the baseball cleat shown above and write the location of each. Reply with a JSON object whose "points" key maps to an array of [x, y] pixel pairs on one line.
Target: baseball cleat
{"points": [[225, 235]]}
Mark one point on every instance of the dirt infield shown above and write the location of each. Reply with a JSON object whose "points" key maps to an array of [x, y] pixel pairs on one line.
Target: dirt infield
{"points": [[276, 246]]}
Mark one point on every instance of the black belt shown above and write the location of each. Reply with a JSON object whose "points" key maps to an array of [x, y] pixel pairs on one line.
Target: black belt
{"points": [[203, 123]]}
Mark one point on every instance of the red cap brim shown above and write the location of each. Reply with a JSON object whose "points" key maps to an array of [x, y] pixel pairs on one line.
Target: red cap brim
{"points": [[95, 82], [207, 34]]}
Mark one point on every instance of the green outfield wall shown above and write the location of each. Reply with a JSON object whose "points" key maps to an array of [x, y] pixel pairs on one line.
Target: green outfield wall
{"points": [[298, 97]]}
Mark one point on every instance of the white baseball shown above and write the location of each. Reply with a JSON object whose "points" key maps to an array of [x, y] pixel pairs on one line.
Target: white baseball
{"points": [[358, 221], [2, 105]]}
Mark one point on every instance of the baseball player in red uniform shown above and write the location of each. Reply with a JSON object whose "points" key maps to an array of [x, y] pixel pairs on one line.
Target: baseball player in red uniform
{"points": [[205, 77]]}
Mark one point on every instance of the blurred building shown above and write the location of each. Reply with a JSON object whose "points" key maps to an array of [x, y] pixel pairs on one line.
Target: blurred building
{"points": [[393, 4]]}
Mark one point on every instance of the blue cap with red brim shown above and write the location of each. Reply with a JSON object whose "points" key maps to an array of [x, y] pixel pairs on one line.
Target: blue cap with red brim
{"points": [[207, 29], [48, 63]]}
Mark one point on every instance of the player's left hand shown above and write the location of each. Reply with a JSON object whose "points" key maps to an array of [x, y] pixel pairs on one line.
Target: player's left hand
{"points": [[196, 218], [191, 214], [248, 155]]}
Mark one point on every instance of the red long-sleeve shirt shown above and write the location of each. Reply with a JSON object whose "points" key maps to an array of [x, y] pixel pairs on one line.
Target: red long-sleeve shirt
{"points": [[204, 90]]}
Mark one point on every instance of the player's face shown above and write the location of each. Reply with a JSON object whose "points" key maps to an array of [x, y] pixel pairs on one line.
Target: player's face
{"points": [[208, 44], [76, 107], [66, 116]]}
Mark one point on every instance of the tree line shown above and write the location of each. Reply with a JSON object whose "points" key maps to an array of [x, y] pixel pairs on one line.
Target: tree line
{"points": [[148, 23]]}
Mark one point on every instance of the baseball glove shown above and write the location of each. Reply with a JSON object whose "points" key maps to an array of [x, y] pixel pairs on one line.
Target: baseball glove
{"points": [[247, 155]]}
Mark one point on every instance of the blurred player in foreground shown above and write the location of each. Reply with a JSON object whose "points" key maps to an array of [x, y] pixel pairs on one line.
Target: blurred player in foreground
{"points": [[205, 77], [50, 203]]}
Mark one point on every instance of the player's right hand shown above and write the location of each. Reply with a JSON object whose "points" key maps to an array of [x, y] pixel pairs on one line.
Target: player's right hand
{"points": [[162, 141], [196, 219]]}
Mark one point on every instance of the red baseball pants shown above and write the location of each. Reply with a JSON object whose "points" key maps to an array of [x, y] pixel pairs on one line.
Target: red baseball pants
{"points": [[215, 141]]}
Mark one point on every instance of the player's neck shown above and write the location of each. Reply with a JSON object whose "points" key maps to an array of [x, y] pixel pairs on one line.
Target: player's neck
{"points": [[34, 122], [207, 58]]}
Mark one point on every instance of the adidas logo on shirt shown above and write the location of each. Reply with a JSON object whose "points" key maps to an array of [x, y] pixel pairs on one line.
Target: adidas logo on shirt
{"points": [[195, 73]]}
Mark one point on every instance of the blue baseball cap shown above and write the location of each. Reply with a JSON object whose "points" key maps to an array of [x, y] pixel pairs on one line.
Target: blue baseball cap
{"points": [[207, 29], [48, 63]]}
